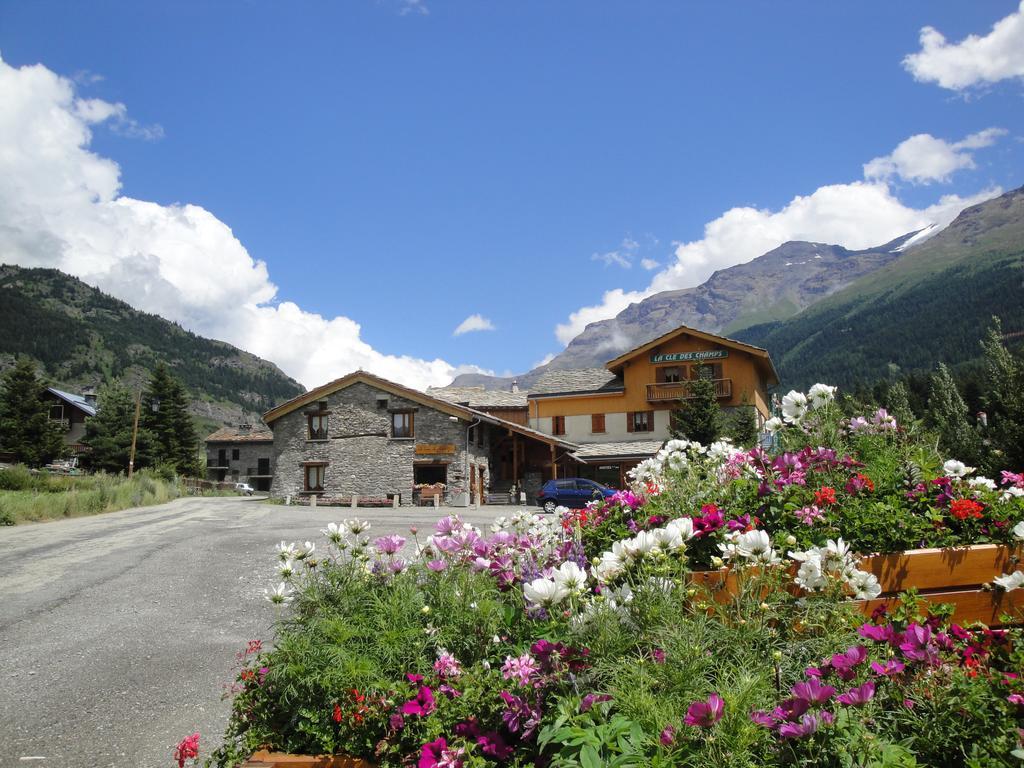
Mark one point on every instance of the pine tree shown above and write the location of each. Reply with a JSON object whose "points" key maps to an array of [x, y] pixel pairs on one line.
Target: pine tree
{"points": [[698, 417], [1003, 400], [109, 432], [25, 426], [165, 415], [898, 404], [740, 425], [948, 413]]}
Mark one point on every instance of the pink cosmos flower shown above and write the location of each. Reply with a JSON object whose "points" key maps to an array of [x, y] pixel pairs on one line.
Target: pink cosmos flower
{"points": [[859, 696], [389, 545], [813, 692], [890, 668], [703, 714]]}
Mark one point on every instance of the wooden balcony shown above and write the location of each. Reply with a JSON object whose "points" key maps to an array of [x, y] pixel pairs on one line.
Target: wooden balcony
{"points": [[680, 390]]}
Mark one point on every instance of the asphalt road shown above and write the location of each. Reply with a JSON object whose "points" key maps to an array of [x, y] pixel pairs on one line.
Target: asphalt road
{"points": [[119, 632]]}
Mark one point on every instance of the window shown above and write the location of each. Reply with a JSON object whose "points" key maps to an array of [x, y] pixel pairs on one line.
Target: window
{"points": [[57, 412], [313, 477], [317, 421], [382, 403], [234, 454], [401, 424], [706, 371], [669, 374], [597, 423], [558, 425], [640, 421]]}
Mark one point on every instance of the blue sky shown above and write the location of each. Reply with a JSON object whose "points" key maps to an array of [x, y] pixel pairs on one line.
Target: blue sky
{"points": [[406, 165]]}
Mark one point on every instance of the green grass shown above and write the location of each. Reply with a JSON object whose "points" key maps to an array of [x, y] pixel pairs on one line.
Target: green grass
{"points": [[35, 498]]}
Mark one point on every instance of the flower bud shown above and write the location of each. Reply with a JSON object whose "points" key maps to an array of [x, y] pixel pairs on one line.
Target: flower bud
{"points": [[425, 609], [791, 540]]}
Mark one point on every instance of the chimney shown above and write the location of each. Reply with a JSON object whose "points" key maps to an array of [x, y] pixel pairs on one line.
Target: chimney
{"points": [[245, 427], [515, 385], [89, 395]]}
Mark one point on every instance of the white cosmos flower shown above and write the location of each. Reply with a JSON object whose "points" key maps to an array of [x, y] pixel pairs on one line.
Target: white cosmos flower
{"points": [[954, 468], [356, 526], [982, 482], [683, 526], [1018, 531], [773, 425], [1013, 492], [821, 395], [794, 406], [286, 552], [610, 567], [642, 544], [676, 445], [545, 592], [280, 594], [838, 549], [720, 449], [810, 575], [571, 576], [668, 538], [307, 549], [334, 531], [864, 585], [287, 569], [1010, 582]]}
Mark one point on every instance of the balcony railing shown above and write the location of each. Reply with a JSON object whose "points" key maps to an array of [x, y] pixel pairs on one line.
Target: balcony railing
{"points": [[680, 390]]}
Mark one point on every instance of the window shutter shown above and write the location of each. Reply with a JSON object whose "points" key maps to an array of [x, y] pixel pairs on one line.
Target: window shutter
{"points": [[650, 421], [630, 424]]}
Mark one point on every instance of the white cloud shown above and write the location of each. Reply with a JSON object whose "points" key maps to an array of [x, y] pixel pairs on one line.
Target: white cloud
{"points": [[649, 264], [544, 360], [975, 60], [621, 256], [923, 158], [860, 214], [60, 207], [473, 323], [413, 7]]}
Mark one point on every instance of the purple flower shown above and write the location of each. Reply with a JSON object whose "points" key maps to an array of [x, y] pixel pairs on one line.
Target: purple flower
{"points": [[519, 717], [437, 565], [658, 655], [813, 692], [703, 714], [859, 696], [790, 710], [668, 736], [493, 744], [843, 663], [437, 754], [447, 667], [761, 717], [1016, 699], [807, 726], [917, 644]]}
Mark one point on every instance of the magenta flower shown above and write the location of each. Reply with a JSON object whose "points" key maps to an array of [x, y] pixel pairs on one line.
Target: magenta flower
{"points": [[703, 714], [917, 644], [437, 565], [1016, 699], [809, 515], [422, 705], [588, 701], [859, 696], [890, 668], [447, 667], [880, 634], [437, 754], [807, 726], [813, 692], [389, 545], [668, 736]]}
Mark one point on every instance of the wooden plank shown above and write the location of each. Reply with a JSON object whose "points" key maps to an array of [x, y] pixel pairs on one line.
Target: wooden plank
{"points": [[940, 568], [971, 604], [283, 760]]}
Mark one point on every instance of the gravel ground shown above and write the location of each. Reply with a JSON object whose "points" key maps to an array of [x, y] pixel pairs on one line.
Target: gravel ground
{"points": [[118, 632]]}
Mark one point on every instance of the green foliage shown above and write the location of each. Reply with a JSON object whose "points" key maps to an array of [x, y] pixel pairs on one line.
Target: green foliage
{"points": [[699, 416], [79, 334], [740, 426], [948, 411], [109, 433], [25, 426], [165, 416], [47, 497], [1003, 400]]}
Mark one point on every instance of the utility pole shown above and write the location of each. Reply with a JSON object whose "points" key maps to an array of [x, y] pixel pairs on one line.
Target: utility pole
{"points": [[135, 433]]}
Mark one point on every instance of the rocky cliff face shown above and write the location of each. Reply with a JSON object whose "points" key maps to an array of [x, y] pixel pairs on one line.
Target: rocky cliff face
{"points": [[772, 287]]}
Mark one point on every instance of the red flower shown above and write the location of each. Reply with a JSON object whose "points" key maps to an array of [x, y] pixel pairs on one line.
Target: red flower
{"points": [[825, 495], [961, 509], [187, 749], [337, 713]]}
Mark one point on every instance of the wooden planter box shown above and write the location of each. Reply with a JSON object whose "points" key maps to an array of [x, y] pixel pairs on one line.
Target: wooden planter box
{"points": [[953, 575], [264, 759]]}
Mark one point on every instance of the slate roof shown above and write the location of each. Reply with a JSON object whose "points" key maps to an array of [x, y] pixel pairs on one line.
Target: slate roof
{"points": [[76, 400], [478, 397], [577, 381], [632, 449], [230, 435]]}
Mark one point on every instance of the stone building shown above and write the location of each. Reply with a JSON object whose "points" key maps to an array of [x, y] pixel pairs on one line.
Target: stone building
{"points": [[365, 436], [242, 455]]}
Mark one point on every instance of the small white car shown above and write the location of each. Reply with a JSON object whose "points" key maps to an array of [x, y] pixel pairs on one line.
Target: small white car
{"points": [[245, 488]]}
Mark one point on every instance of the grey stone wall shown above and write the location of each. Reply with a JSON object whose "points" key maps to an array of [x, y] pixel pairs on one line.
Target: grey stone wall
{"points": [[249, 454], [361, 456]]}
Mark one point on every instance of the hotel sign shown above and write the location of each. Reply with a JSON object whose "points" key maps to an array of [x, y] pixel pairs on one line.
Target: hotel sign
{"points": [[433, 449], [679, 357]]}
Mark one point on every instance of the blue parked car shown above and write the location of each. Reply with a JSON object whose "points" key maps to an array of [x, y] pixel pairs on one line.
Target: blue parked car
{"points": [[571, 492]]}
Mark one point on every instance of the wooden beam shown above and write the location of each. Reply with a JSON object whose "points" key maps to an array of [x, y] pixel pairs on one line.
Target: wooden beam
{"points": [[515, 457], [554, 465]]}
